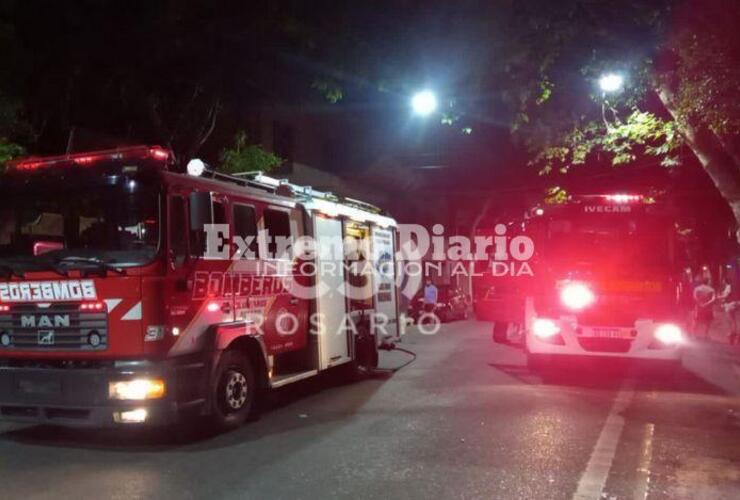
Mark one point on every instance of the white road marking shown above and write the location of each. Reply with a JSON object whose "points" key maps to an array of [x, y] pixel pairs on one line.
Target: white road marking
{"points": [[642, 488], [594, 477]]}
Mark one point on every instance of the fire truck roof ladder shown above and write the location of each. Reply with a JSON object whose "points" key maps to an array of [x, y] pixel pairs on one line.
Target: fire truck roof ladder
{"points": [[272, 185]]}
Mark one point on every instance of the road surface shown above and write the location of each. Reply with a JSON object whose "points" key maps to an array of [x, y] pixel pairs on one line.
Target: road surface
{"points": [[464, 420]]}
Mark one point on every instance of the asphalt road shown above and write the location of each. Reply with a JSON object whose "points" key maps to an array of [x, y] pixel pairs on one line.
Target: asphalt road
{"points": [[464, 420]]}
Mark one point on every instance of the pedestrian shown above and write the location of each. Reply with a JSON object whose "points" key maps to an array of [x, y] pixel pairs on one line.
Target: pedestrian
{"points": [[704, 299], [731, 307], [430, 297]]}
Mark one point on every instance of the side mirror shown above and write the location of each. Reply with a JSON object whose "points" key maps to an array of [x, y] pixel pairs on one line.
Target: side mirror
{"points": [[201, 210]]}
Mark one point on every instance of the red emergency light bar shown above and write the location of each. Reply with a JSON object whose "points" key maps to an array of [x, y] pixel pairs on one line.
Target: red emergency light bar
{"points": [[86, 159], [92, 306], [623, 198]]}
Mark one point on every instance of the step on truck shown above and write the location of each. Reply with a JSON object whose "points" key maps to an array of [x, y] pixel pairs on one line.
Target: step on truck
{"points": [[135, 291]]}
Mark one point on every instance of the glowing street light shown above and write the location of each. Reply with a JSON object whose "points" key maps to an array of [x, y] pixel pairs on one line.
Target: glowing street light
{"points": [[424, 103], [611, 82]]}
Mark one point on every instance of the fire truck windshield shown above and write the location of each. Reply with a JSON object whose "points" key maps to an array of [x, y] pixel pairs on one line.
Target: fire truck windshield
{"points": [[115, 221], [613, 243]]}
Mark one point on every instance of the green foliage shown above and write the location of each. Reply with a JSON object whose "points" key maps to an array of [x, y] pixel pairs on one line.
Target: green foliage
{"points": [[546, 87], [245, 157], [707, 70], [556, 195], [9, 150], [641, 132], [330, 91]]}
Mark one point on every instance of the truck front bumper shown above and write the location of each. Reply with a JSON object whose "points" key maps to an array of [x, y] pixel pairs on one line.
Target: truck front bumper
{"points": [[79, 396], [573, 340]]}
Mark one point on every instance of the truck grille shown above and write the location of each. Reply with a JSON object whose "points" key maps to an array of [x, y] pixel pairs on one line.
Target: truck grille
{"points": [[596, 344], [58, 327], [622, 311]]}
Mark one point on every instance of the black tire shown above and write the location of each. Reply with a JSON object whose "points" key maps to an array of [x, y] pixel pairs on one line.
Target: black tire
{"points": [[234, 390], [499, 332]]}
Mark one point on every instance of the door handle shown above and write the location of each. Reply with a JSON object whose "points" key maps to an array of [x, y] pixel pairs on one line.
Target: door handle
{"points": [[293, 301]]}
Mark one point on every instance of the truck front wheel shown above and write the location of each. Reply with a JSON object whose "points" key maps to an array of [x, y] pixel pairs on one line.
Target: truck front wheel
{"points": [[233, 391]]}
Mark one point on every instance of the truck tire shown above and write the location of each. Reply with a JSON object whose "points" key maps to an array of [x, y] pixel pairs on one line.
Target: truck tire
{"points": [[234, 391]]}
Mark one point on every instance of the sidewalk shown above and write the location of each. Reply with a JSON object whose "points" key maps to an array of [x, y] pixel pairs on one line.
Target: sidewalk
{"points": [[714, 359]]}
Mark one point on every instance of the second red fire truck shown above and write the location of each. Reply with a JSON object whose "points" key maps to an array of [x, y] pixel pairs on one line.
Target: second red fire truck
{"points": [[112, 311], [605, 283]]}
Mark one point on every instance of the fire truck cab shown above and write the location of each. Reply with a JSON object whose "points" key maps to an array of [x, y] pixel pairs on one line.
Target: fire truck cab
{"points": [[605, 283], [117, 308]]}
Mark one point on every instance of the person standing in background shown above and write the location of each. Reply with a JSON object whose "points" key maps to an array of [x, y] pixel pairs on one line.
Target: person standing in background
{"points": [[430, 297], [731, 307], [704, 298]]}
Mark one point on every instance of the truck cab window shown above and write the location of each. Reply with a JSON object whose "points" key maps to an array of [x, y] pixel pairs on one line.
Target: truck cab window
{"points": [[245, 226], [219, 213], [219, 218], [178, 230], [277, 225]]}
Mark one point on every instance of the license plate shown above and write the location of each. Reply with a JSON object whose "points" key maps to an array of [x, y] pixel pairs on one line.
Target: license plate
{"points": [[608, 333], [44, 387]]}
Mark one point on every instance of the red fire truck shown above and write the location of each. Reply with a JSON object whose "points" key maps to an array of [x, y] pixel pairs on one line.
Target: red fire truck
{"points": [[114, 311], [605, 283]]}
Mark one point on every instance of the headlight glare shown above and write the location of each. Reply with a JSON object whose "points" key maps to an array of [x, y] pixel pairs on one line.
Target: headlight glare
{"points": [[577, 296], [137, 389], [669, 333]]}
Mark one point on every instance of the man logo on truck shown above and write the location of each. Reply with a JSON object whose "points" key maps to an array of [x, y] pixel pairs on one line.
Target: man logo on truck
{"points": [[57, 321]]}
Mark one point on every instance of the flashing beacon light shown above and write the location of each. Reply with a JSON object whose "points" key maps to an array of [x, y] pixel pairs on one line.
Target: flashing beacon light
{"points": [[88, 159], [196, 167], [577, 296], [623, 198]]}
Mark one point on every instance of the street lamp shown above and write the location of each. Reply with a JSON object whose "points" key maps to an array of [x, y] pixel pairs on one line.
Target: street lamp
{"points": [[424, 103], [611, 82]]}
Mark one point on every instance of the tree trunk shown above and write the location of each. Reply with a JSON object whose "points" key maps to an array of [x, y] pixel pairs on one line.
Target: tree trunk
{"points": [[717, 162]]}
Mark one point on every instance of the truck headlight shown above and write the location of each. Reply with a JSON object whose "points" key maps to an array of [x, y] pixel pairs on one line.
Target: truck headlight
{"points": [[545, 328], [577, 296], [137, 390], [137, 416], [668, 333]]}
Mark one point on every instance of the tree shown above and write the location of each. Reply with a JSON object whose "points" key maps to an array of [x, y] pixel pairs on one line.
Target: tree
{"points": [[681, 87], [245, 157], [533, 65], [185, 75], [9, 150], [681, 93]]}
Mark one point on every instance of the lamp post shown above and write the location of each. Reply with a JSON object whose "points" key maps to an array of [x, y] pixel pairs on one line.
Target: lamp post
{"points": [[424, 103], [611, 82]]}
